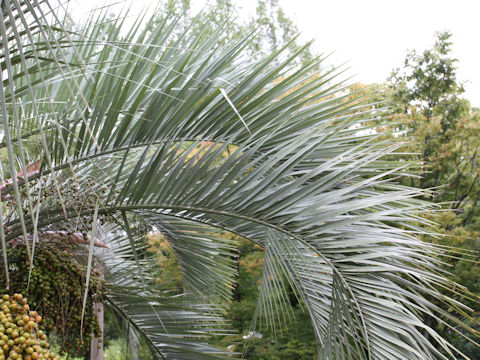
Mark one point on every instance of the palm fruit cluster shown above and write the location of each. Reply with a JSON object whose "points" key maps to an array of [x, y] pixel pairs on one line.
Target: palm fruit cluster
{"points": [[56, 291], [20, 336]]}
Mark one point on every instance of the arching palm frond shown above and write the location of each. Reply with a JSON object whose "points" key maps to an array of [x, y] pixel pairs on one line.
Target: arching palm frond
{"points": [[167, 129]]}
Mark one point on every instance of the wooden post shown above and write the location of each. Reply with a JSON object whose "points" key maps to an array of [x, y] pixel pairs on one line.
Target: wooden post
{"points": [[96, 349]]}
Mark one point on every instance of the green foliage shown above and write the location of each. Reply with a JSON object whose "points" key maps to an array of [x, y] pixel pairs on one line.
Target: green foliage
{"points": [[271, 26], [169, 275], [443, 131], [427, 79], [292, 340], [444, 128], [285, 341], [116, 351], [119, 341]]}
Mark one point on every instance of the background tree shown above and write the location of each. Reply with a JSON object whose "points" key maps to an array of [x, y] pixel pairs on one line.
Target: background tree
{"points": [[270, 26], [443, 130]]}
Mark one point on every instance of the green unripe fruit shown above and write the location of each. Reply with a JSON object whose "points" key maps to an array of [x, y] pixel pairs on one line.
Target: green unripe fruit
{"points": [[15, 341], [56, 275]]}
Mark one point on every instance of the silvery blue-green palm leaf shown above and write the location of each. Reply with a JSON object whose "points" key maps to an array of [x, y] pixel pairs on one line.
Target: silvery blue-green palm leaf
{"points": [[154, 125]]}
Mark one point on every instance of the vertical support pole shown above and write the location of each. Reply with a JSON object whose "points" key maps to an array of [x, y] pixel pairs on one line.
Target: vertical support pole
{"points": [[96, 349]]}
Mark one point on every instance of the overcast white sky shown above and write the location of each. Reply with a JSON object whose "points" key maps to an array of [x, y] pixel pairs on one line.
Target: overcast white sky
{"points": [[373, 36]]}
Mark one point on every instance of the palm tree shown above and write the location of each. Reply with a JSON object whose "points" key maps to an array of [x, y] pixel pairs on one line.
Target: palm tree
{"points": [[112, 134]]}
